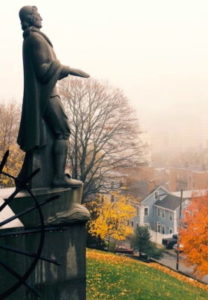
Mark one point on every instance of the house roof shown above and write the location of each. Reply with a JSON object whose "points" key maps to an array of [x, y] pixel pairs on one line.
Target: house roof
{"points": [[153, 191], [170, 202]]}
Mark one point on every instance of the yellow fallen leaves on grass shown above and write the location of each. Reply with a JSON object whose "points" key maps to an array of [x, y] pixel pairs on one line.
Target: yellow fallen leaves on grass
{"points": [[118, 259], [179, 276]]}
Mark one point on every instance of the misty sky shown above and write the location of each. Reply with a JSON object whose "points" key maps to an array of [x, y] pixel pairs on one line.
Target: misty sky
{"points": [[156, 51]]}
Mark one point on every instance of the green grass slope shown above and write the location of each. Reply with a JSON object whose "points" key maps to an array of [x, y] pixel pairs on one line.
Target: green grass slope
{"points": [[116, 277]]}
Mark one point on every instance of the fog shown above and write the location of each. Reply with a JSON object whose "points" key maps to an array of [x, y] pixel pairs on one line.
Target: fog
{"points": [[156, 51]]}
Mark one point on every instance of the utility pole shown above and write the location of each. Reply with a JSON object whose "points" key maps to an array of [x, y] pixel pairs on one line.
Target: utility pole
{"points": [[178, 240]]}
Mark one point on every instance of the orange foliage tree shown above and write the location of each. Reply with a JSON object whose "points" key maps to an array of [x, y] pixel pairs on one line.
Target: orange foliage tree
{"points": [[194, 234]]}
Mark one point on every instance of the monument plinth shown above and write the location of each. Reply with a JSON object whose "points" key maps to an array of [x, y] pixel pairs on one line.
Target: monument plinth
{"points": [[64, 241]]}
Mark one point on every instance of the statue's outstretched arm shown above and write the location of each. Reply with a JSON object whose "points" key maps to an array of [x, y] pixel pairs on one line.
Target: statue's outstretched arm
{"points": [[74, 72]]}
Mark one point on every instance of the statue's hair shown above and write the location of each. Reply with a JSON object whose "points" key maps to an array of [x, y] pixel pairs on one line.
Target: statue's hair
{"points": [[26, 15]]}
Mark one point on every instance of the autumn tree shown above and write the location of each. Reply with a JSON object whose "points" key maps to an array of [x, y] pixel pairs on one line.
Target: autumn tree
{"points": [[194, 234], [105, 133], [111, 218], [9, 116]]}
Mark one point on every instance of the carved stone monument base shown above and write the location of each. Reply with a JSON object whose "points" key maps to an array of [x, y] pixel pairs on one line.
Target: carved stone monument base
{"points": [[65, 240], [64, 282]]}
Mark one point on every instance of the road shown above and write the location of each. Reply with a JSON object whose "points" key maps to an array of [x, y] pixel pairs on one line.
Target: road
{"points": [[169, 260]]}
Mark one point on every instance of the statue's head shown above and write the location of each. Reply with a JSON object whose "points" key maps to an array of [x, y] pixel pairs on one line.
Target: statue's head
{"points": [[29, 16]]}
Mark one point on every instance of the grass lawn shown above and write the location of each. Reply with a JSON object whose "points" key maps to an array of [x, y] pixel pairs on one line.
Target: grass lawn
{"points": [[116, 277]]}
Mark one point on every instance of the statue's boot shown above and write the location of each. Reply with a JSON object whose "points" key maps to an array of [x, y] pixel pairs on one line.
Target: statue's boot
{"points": [[60, 156]]}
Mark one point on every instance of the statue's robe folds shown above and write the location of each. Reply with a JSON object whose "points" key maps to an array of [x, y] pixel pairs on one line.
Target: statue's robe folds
{"points": [[41, 72]]}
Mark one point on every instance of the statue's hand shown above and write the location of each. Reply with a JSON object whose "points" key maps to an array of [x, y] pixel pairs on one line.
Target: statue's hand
{"points": [[76, 72]]}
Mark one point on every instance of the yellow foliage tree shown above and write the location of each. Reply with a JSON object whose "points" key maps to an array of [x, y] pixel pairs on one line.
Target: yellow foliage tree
{"points": [[9, 116], [12, 166], [112, 218]]}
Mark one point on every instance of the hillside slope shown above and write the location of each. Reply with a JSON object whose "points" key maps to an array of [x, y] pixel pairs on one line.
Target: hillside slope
{"points": [[116, 277]]}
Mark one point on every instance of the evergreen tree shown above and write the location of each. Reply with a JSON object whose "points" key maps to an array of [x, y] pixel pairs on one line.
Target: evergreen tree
{"points": [[141, 243]]}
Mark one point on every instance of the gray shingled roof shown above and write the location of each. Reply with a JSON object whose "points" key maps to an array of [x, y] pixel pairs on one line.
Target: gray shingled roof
{"points": [[170, 202]]}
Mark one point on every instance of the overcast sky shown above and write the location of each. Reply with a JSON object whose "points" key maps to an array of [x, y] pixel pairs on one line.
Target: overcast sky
{"points": [[155, 50]]}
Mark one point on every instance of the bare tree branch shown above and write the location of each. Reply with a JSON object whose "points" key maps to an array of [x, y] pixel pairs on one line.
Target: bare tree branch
{"points": [[105, 133]]}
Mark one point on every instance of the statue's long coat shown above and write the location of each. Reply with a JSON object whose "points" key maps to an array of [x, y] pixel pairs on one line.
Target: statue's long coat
{"points": [[41, 72]]}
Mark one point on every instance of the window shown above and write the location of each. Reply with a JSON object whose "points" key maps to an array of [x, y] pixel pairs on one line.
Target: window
{"points": [[157, 196], [158, 212], [158, 228], [170, 230], [132, 224], [163, 229], [163, 213], [146, 211], [171, 216]]}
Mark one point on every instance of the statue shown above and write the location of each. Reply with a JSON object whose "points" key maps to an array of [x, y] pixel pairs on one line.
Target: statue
{"points": [[43, 119]]}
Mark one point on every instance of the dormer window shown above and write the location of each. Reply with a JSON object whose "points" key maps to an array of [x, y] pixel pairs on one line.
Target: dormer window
{"points": [[157, 196]]}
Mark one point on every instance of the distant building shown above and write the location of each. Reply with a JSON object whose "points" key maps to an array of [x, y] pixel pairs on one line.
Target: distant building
{"points": [[160, 212], [142, 180]]}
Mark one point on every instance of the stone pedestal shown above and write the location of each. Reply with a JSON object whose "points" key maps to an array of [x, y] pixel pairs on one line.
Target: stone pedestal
{"points": [[64, 282], [64, 241], [65, 209]]}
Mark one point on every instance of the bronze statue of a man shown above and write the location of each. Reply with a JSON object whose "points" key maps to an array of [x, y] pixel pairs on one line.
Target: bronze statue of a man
{"points": [[42, 106]]}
